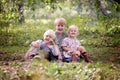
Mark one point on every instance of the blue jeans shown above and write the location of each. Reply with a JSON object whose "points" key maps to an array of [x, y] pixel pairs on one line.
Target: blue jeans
{"points": [[64, 59], [69, 59]]}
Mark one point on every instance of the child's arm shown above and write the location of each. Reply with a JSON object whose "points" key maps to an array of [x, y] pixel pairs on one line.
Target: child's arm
{"points": [[36, 43], [56, 50], [33, 50], [65, 48], [65, 45]]}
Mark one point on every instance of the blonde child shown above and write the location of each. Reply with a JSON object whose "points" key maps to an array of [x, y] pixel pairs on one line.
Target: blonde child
{"points": [[60, 24], [72, 49], [48, 45]]}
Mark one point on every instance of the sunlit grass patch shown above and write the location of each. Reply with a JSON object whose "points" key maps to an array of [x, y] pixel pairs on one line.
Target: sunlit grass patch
{"points": [[42, 69]]}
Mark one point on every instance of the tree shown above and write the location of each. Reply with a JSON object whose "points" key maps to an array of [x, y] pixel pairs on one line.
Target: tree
{"points": [[12, 10]]}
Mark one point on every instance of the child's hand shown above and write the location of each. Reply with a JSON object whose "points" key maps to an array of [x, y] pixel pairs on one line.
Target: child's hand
{"points": [[76, 53], [59, 57], [52, 41], [35, 44], [70, 52]]}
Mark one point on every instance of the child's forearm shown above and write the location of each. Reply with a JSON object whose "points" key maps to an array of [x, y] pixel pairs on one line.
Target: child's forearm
{"points": [[35, 44], [66, 49], [56, 49]]}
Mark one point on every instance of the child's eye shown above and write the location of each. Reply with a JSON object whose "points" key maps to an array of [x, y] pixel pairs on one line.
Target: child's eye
{"points": [[74, 30], [61, 25], [48, 36]]}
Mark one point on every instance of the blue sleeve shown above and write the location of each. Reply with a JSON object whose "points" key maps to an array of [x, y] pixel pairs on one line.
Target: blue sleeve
{"points": [[44, 47]]}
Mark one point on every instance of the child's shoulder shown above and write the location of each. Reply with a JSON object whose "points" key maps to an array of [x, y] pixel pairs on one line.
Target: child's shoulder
{"points": [[65, 34], [38, 41], [67, 38]]}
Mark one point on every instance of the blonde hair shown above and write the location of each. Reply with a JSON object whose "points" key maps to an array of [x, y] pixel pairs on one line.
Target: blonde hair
{"points": [[73, 27], [60, 21], [49, 32]]}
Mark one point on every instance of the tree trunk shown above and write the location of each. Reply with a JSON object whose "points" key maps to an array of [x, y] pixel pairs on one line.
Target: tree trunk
{"points": [[103, 7], [21, 10]]}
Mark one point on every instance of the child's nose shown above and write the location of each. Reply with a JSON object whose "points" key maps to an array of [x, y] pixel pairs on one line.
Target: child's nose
{"points": [[61, 26]]}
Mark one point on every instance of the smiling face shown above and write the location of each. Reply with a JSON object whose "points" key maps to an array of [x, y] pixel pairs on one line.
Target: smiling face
{"points": [[73, 31], [60, 24], [48, 39], [60, 28], [49, 36]]}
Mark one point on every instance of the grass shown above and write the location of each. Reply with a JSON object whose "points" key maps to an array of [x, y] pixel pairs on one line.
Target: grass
{"points": [[15, 42], [42, 69], [105, 65]]}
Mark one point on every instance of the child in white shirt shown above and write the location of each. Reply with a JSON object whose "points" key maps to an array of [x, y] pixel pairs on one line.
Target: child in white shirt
{"points": [[48, 45]]}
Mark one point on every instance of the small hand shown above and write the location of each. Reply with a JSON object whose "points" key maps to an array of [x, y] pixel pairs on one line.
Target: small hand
{"points": [[35, 44], [59, 57], [70, 52], [52, 41], [76, 53]]}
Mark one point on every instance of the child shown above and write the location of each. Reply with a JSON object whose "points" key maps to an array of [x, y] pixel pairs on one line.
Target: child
{"points": [[33, 51], [60, 24], [72, 48], [48, 45]]}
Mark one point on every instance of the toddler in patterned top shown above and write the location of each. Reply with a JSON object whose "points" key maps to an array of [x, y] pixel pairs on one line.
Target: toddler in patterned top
{"points": [[72, 49]]}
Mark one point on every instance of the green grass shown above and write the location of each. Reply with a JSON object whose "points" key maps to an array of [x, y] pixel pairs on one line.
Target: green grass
{"points": [[15, 41], [13, 49], [105, 64], [44, 70]]}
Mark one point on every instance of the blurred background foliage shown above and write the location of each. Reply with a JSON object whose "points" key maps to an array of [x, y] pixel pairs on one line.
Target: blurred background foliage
{"points": [[22, 21]]}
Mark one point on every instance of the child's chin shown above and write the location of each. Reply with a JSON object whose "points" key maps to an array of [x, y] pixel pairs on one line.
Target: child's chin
{"points": [[72, 36], [46, 41], [60, 31]]}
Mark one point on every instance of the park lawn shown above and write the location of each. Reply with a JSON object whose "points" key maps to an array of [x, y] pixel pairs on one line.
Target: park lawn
{"points": [[13, 66], [98, 33], [105, 66]]}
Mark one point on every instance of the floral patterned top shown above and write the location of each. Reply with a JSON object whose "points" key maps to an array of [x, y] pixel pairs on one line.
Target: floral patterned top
{"points": [[71, 43]]}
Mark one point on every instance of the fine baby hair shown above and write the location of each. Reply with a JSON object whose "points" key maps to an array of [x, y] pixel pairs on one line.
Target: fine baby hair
{"points": [[49, 32], [60, 21]]}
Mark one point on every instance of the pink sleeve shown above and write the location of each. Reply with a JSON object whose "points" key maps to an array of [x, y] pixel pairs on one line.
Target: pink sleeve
{"points": [[64, 42]]}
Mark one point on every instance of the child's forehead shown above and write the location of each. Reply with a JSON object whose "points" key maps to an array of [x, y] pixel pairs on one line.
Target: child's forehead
{"points": [[60, 23], [73, 28], [48, 35]]}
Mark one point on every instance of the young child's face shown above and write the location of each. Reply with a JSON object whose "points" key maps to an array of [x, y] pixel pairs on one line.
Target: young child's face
{"points": [[60, 28], [73, 32], [48, 39]]}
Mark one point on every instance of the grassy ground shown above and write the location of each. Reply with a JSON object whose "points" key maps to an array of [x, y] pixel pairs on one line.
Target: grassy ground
{"points": [[15, 42], [105, 66]]}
